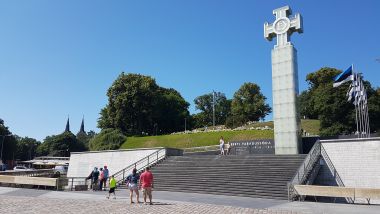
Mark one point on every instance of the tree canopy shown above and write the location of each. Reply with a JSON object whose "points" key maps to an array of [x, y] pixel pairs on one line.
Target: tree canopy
{"points": [[204, 103], [60, 145], [26, 148], [248, 104], [138, 106], [7, 142], [329, 105], [107, 139]]}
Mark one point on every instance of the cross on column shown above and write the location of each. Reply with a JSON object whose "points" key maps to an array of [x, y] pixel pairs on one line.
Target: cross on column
{"points": [[283, 26]]}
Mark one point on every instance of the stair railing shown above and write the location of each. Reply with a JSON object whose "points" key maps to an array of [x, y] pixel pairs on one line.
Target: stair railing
{"points": [[307, 172], [140, 165], [333, 171]]}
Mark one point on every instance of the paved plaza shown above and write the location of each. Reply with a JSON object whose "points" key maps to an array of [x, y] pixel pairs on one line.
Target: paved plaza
{"points": [[13, 200]]}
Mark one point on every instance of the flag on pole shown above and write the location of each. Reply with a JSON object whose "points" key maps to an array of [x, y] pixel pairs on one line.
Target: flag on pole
{"points": [[351, 92], [343, 77]]}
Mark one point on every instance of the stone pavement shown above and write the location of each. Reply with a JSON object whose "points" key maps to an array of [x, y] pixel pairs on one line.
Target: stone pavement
{"points": [[13, 200]]}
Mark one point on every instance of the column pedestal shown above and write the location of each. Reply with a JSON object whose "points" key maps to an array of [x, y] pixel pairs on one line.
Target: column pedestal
{"points": [[285, 91]]}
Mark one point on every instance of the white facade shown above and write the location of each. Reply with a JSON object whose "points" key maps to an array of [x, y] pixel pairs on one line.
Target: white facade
{"points": [[285, 81], [357, 162], [82, 163]]}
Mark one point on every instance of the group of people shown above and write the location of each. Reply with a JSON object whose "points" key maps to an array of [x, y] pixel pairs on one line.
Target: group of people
{"points": [[225, 149], [144, 181], [134, 182], [99, 178]]}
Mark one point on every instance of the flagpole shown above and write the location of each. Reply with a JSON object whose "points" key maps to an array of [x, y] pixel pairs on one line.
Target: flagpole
{"points": [[366, 120], [365, 109], [369, 128], [356, 109], [365, 114], [359, 108], [362, 129], [363, 121], [364, 98]]}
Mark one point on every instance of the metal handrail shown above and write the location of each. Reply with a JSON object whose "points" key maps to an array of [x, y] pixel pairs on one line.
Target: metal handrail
{"points": [[82, 180], [333, 170], [307, 165], [140, 165], [307, 171]]}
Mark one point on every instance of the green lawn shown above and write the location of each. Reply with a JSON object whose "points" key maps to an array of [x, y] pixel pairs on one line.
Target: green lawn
{"points": [[194, 140], [211, 138], [311, 126]]}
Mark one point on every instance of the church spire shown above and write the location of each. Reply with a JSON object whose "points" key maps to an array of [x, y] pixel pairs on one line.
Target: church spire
{"points": [[68, 125], [82, 126]]}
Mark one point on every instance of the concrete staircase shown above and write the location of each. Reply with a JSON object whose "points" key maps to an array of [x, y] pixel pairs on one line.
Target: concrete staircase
{"points": [[262, 176]]}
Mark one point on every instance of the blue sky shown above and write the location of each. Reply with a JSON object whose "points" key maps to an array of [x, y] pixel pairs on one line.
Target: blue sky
{"points": [[58, 58]]}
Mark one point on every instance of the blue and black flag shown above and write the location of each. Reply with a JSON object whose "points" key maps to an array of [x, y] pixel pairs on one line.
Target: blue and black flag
{"points": [[343, 77]]}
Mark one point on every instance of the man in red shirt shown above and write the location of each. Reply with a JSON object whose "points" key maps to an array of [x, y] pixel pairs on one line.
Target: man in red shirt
{"points": [[146, 182]]}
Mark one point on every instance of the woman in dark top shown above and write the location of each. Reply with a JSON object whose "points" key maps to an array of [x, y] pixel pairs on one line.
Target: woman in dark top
{"points": [[132, 184]]}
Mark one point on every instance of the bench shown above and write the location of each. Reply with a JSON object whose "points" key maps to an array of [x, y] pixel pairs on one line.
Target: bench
{"points": [[333, 191], [38, 181]]}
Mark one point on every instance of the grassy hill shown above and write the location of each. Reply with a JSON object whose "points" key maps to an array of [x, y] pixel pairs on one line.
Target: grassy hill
{"points": [[211, 138]]}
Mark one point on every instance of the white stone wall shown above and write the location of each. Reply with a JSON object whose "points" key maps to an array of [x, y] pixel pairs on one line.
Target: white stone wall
{"points": [[81, 164], [356, 161], [285, 91]]}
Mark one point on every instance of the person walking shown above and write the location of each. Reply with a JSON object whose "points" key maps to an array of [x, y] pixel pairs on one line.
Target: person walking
{"points": [[132, 185], [221, 145], [112, 187], [105, 176], [94, 176], [101, 178], [146, 183], [228, 148]]}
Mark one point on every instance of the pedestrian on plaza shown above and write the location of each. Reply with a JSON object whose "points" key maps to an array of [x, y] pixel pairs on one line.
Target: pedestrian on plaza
{"points": [[105, 176], [146, 183], [221, 145], [94, 176], [112, 187], [132, 185], [101, 178], [228, 148]]}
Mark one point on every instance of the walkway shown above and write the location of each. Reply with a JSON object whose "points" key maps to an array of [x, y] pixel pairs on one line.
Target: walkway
{"points": [[13, 200]]}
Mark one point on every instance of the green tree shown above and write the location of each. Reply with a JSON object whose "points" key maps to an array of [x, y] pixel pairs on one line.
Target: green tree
{"points": [[200, 120], [204, 103], [85, 138], [26, 148], [248, 104], [8, 142], [107, 139], [130, 104], [60, 145], [170, 112], [137, 105], [329, 105], [307, 106]]}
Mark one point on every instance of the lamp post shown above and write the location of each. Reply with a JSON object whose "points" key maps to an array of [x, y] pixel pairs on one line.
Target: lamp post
{"points": [[185, 125], [2, 145], [213, 109]]}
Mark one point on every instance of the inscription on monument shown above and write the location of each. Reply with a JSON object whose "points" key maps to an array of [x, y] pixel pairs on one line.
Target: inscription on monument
{"points": [[262, 146]]}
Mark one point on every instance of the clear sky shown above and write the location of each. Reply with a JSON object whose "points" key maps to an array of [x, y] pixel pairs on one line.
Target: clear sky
{"points": [[58, 58]]}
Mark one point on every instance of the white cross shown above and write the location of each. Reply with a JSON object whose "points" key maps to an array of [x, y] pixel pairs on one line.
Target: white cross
{"points": [[283, 26]]}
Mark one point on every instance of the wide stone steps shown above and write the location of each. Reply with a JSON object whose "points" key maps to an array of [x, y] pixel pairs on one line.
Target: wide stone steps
{"points": [[231, 192], [264, 176]]}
